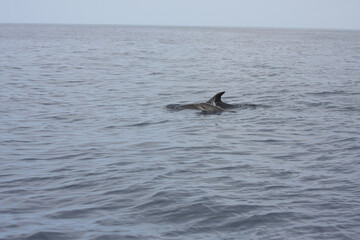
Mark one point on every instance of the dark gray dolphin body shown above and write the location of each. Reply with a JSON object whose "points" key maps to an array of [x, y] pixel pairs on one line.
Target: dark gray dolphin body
{"points": [[213, 105], [216, 101], [208, 108]]}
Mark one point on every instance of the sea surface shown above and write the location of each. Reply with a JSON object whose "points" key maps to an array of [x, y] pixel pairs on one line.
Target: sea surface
{"points": [[88, 149]]}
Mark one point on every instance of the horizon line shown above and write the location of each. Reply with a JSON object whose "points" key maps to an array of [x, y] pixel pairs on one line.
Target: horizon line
{"points": [[186, 26]]}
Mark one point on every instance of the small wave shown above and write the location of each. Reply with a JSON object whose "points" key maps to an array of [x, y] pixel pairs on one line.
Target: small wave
{"points": [[184, 213], [75, 186], [70, 214], [50, 103], [231, 168], [16, 141], [75, 81], [16, 68], [313, 104], [116, 236], [51, 235], [59, 118], [327, 93], [143, 124], [250, 106], [260, 219], [349, 109], [78, 156], [275, 187], [156, 73]]}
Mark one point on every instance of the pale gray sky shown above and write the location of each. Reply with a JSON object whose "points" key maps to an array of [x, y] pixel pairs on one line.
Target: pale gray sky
{"points": [[338, 14]]}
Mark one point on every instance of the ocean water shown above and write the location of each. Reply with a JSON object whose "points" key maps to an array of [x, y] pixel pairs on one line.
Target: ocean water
{"points": [[88, 149]]}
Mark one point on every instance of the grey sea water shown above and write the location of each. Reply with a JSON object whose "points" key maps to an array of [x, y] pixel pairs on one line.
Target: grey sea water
{"points": [[88, 149]]}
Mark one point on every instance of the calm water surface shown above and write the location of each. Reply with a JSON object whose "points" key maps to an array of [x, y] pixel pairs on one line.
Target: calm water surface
{"points": [[88, 149]]}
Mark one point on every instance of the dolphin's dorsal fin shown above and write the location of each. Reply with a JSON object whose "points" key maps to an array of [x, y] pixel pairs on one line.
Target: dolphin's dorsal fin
{"points": [[216, 99]]}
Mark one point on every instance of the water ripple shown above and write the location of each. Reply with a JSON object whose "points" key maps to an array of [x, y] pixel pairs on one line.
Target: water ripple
{"points": [[89, 150]]}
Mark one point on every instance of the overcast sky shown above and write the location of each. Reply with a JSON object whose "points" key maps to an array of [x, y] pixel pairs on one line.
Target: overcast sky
{"points": [[338, 14]]}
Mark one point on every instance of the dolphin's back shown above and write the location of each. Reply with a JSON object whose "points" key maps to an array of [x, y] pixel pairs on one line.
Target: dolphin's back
{"points": [[208, 108]]}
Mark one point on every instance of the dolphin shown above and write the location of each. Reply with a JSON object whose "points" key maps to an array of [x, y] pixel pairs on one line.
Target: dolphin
{"points": [[216, 101], [213, 105]]}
